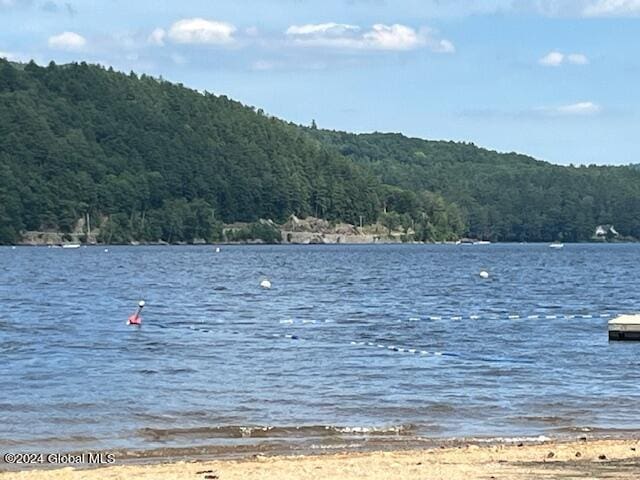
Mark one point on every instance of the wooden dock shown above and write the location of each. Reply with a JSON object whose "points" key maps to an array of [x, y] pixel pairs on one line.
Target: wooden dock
{"points": [[625, 327]]}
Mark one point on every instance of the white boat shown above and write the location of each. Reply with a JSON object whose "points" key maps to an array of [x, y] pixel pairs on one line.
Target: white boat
{"points": [[482, 242], [556, 245], [71, 245]]}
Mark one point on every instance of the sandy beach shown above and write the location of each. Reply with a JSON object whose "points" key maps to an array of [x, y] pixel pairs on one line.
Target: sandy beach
{"points": [[550, 460]]}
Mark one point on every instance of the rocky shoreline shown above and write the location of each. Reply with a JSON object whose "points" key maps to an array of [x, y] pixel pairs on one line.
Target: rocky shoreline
{"points": [[308, 231]]}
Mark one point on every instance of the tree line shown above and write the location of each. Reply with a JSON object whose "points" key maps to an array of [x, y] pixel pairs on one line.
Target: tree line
{"points": [[500, 196], [149, 160]]}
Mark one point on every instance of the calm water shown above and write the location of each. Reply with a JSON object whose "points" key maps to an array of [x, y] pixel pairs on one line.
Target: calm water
{"points": [[212, 364]]}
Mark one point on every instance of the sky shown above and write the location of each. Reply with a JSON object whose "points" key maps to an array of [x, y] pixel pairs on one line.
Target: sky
{"points": [[555, 79]]}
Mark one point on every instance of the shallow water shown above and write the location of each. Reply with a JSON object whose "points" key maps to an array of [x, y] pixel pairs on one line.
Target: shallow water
{"points": [[352, 344]]}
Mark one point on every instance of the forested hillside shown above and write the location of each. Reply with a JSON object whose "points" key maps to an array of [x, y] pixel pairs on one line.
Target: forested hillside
{"points": [[503, 197], [149, 160], [155, 160]]}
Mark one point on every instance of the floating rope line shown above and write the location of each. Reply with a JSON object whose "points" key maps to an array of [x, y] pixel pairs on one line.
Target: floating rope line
{"points": [[494, 316], [291, 321], [410, 351], [413, 351], [489, 316], [419, 352]]}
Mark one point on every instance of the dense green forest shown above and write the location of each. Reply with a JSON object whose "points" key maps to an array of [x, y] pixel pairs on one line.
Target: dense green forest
{"points": [[502, 197], [156, 160], [149, 160]]}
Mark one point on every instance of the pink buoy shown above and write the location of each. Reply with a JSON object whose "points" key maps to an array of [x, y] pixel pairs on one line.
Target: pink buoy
{"points": [[136, 319]]}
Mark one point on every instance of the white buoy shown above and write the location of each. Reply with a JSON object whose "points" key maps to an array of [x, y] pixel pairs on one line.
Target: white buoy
{"points": [[106, 250], [265, 284], [141, 303], [484, 274], [217, 249]]}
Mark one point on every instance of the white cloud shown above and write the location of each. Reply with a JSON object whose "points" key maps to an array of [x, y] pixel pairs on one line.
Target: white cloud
{"points": [[612, 8], [555, 59], [552, 59], [444, 46], [199, 30], [394, 37], [321, 28], [67, 41], [581, 108], [574, 109], [157, 37]]}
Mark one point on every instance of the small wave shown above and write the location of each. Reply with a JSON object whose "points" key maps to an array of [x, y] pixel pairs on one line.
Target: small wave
{"points": [[536, 439], [234, 431], [396, 429], [337, 447]]}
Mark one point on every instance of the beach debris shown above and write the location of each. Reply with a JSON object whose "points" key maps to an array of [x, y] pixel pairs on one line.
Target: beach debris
{"points": [[136, 319], [602, 457], [578, 454], [208, 474], [484, 274], [551, 455], [265, 283]]}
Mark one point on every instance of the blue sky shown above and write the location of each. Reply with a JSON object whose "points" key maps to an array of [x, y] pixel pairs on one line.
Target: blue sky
{"points": [[556, 79]]}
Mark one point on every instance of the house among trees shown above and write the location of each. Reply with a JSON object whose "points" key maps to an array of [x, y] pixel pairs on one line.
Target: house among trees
{"points": [[605, 231]]}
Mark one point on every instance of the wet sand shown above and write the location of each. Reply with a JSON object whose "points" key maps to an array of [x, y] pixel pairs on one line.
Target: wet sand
{"points": [[597, 459]]}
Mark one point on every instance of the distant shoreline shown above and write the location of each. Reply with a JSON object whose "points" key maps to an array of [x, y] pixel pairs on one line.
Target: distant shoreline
{"points": [[259, 243], [295, 231]]}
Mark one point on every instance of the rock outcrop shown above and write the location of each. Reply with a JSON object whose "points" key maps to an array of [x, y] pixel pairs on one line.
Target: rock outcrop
{"points": [[313, 230]]}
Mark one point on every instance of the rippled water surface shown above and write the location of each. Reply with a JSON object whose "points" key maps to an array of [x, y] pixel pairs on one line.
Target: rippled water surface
{"points": [[351, 342]]}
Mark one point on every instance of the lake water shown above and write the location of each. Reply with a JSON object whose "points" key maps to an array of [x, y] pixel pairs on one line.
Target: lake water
{"points": [[352, 346]]}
